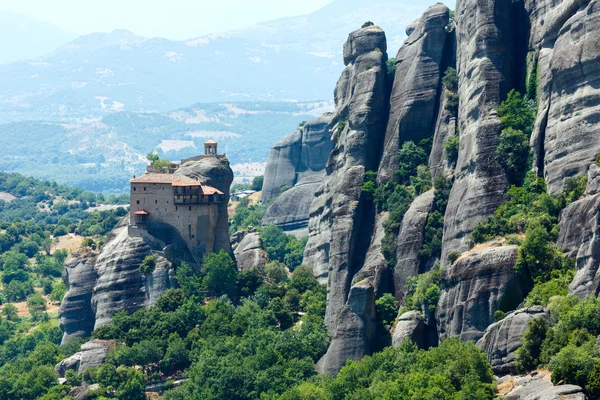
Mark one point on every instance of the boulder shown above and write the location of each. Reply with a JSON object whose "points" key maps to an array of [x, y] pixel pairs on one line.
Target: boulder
{"points": [[298, 156], [94, 353], [410, 241], [501, 339], [250, 253], [364, 41], [474, 288], [579, 236], [411, 326], [77, 318], [417, 88], [593, 185], [69, 363], [353, 330], [538, 386], [488, 68]]}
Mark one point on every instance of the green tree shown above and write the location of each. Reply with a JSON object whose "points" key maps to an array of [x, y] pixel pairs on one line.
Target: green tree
{"points": [[276, 272], [451, 146], [257, 183], [220, 274], [512, 153]]}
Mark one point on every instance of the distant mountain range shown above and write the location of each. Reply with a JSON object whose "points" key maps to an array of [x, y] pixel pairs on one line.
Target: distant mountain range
{"points": [[291, 59], [27, 38]]}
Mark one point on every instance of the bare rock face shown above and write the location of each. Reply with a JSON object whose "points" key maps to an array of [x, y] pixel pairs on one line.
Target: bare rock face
{"points": [[290, 211], [593, 185], [579, 236], [77, 318], [298, 156], [250, 253], [353, 330], [445, 128], [487, 70], [411, 326], [410, 241], [568, 42], [92, 354], [539, 387], [341, 218], [69, 363], [474, 288], [215, 172], [417, 87], [503, 338], [375, 268]]}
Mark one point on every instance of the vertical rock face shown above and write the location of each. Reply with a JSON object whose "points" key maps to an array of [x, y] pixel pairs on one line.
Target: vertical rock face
{"points": [[411, 326], [297, 156], [445, 128], [474, 288], [501, 340], [414, 100], [249, 252], [341, 220], [486, 67], [352, 334], [77, 318], [410, 241], [580, 237], [565, 35]]}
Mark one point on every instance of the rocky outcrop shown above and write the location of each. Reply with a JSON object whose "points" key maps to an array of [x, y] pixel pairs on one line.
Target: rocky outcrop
{"points": [[417, 87], [353, 330], [411, 326], [445, 128], [290, 211], [410, 241], [298, 156], [376, 268], [249, 252], [538, 386], [77, 318], [474, 288], [487, 70], [340, 216], [579, 236], [565, 35], [501, 340], [92, 354]]}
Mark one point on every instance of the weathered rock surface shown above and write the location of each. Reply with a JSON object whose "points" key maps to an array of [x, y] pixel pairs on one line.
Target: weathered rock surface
{"points": [[579, 236], [474, 288], [503, 338], [352, 331], [417, 87], [290, 211], [77, 318], [445, 128], [487, 70], [250, 253], [92, 354], [569, 88], [593, 185], [410, 241], [298, 156], [411, 326], [375, 268], [340, 217], [539, 387]]}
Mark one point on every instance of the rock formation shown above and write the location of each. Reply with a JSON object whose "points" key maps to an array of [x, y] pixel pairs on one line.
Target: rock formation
{"points": [[92, 354], [487, 70], [249, 251], [411, 326], [538, 386], [474, 288], [503, 338], [100, 286], [417, 86], [564, 35]]}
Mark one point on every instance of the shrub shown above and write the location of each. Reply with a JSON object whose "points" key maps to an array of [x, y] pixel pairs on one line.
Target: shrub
{"points": [[528, 355], [276, 272], [452, 257], [410, 156], [387, 309], [451, 146], [257, 182], [499, 315], [147, 266], [450, 79], [598, 160], [367, 24], [512, 153]]}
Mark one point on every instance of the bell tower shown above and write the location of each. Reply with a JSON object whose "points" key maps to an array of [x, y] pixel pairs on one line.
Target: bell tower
{"points": [[210, 148]]}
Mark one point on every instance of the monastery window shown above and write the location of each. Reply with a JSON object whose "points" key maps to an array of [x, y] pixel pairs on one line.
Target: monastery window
{"points": [[144, 188], [137, 202], [134, 188], [155, 201], [176, 208], [190, 208]]}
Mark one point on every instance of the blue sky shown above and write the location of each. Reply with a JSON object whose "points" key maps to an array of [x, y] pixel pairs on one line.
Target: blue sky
{"points": [[172, 19]]}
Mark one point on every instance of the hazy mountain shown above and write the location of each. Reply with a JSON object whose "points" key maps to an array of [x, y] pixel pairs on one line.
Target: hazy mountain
{"points": [[288, 59], [25, 38]]}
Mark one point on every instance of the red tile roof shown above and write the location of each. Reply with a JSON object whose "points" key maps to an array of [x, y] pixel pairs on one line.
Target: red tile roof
{"points": [[142, 212], [175, 180]]}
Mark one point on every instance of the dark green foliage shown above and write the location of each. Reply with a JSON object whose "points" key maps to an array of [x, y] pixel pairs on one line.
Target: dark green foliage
{"points": [[528, 355], [257, 183], [451, 146], [558, 285], [452, 257], [434, 228], [499, 315], [517, 116], [598, 160], [220, 274], [246, 215], [148, 264], [281, 247], [387, 309], [450, 81], [454, 370], [423, 291], [532, 80], [367, 24], [391, 69], [410, 156], [512, 153]]}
